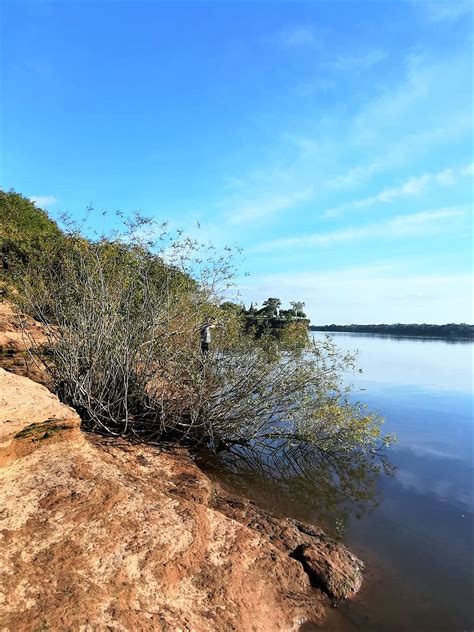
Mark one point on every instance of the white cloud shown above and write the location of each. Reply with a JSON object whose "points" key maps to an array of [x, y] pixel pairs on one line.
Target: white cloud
{"points": [[263, 207], [422, 223], [404, 224], [432, 94], [305, 146], [361, 61], [408, 145], [298, 36], [43, 200], [354, 175], [468, 170], [447, 10], [412, 186], [401, 124]]}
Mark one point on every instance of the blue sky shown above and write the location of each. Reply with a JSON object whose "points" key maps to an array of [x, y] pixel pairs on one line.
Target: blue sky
{"points": [[332, 141]]}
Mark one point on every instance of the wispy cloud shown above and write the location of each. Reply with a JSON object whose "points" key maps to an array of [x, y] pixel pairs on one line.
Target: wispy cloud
{"points": [[435, 85], [422, 223], [263, 207], [407, 145], [357, 62], [43, 200], [447, 10], [413, 186], [390, 130], [355, 175], [297, 36]]}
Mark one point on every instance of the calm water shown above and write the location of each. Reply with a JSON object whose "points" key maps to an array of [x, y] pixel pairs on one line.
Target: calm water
{"points": [[413, 526]]}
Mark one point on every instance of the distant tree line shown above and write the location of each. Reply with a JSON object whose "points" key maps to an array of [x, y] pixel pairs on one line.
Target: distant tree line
{"points": [[450, 330]]}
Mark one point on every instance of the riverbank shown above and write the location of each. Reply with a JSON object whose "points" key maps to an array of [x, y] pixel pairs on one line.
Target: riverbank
{"points": [[100, 533]]}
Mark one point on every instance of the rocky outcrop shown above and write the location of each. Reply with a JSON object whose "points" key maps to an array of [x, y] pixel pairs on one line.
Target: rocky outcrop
{"points": [[99, 534], [20, 334], [329, 565], [28, 411]]}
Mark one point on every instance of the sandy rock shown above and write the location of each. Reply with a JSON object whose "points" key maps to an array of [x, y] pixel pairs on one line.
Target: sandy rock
{"points": [[329, 564], [24, 403], [100, 534], [16, 336], [18, 340]]}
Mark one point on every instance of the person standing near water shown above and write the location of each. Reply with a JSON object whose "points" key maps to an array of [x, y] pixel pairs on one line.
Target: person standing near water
{"points": [[206, 336]]}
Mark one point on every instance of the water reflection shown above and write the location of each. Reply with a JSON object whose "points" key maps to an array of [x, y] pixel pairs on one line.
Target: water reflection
{"points": [[424, 339], [430, 363], [302, 482], [418, 543]]}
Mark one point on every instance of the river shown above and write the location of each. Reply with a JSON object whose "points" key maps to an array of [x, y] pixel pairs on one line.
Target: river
{"points": [[411, 524]]}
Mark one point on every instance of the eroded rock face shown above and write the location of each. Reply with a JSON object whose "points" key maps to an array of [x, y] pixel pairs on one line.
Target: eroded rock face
{"points": [[99, 534], [19, 335], [16, 335]]}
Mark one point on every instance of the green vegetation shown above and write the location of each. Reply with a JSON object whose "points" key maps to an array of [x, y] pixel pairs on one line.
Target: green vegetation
{"points": [[123, 315], [25, 232], [43, 430], [450, 330], [288, 326]]}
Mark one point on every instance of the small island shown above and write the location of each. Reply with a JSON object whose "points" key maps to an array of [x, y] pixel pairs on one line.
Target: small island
{"points": [[271, 319]]}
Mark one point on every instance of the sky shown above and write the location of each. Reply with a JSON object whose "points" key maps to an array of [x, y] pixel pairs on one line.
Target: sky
{"points": [[331, 141]]}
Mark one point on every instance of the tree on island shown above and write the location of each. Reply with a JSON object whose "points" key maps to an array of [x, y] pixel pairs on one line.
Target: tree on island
{"points": [[298, 308], [270, 307]]}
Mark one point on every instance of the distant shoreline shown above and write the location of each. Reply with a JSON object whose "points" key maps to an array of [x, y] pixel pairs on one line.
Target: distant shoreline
{"points": [[450, 331]]}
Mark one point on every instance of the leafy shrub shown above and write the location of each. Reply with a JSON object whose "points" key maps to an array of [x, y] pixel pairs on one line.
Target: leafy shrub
{"points": [[123, 317]]}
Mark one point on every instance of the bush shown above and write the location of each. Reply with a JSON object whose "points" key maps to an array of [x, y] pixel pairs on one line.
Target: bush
{"points": [[123, 318]]}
